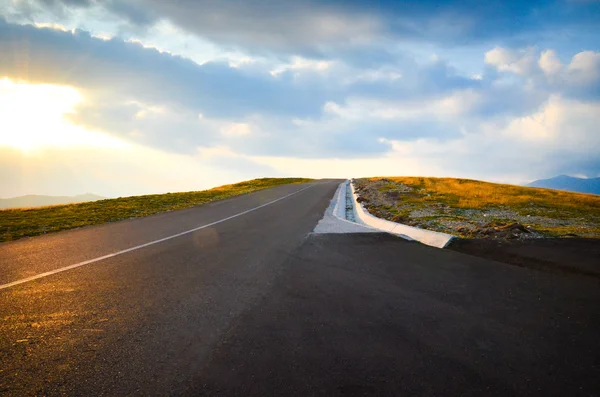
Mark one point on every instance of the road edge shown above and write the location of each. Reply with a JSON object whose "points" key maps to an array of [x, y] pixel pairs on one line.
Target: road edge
{"points": [[427, 237]]}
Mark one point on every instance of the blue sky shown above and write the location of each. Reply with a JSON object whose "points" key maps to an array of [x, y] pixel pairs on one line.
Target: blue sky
{"points": [[143, 96]]}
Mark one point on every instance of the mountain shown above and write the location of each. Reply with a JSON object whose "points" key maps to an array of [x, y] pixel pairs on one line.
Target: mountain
{"points": [[34, 200], [572, 184]]}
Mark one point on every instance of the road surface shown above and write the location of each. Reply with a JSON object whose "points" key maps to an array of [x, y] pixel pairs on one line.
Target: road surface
{"points": [[257, 305]]}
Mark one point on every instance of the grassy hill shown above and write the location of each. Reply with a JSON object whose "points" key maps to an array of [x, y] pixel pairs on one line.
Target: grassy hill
{"points": [[17, 223], [35, 200], [470, 208]]}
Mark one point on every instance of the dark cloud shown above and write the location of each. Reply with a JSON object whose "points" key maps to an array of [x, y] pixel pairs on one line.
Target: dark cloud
{"points": [[141, 16], [325, 27], [215, 89], [120, 78]]}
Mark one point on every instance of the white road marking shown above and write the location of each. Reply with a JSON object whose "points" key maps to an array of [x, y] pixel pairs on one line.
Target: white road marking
{"points": [[137, 247]]}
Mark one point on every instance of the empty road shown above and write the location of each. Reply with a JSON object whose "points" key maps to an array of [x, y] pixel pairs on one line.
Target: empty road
{"points": [[253, 303]]}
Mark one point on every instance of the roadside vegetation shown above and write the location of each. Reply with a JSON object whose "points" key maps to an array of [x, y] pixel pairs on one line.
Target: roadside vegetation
{"points": [[24, 222], [475, 209]]}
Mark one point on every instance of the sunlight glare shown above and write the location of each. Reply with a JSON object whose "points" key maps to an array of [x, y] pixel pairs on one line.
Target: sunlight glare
{"points": [[32, 116]]}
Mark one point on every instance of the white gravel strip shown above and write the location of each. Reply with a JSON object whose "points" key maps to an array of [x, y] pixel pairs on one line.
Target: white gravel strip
{"points": [[334, 220]]}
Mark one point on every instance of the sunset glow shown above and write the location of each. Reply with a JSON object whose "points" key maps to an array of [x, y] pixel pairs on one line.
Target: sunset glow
{"points": [[96, 96], [33, 116]]}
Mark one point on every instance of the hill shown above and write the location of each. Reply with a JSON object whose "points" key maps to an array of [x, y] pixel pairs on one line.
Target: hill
{"points": [[23, 222], [476, 209], [34, 200], [569, 183]]}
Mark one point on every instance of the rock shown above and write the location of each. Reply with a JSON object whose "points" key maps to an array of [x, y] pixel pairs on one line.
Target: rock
{"points": [[514, 227], [392, 194]]}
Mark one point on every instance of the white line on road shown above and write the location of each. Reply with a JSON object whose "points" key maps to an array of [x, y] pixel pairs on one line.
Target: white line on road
{"points": [[137, 247]]}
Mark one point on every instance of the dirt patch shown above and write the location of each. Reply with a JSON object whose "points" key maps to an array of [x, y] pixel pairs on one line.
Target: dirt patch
{"points": [[555, 255], [505, 232]]}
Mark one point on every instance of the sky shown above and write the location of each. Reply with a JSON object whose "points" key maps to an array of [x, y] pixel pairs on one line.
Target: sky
{"points": [[121, 98]]}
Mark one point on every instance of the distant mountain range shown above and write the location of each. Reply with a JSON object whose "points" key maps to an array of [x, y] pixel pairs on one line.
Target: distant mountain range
{"points": [[34, 200], [572, 184]]}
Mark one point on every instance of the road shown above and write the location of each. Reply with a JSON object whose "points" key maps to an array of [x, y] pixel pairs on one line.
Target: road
{"points": [[257, 305]]}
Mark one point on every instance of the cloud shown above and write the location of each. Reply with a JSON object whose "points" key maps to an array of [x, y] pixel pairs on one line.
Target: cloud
{"points": [[549, 63], [557, 137], [78, 59], [585, 68], [561, 124], [458, 104], [520, 62], [318, 28], [237, 129], [259, 25], [467, 89], [578, 79], [299, 64], [142, 95]]}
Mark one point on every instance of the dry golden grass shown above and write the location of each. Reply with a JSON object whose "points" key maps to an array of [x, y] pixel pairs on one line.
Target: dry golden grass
{"points": [[468, 193]]}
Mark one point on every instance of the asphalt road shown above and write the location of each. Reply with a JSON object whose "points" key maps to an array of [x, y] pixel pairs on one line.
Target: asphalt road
{"points": [[256, 305]]}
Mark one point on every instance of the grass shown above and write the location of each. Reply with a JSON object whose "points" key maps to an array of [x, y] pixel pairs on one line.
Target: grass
{"points": [[566, 212], [26, 222]]}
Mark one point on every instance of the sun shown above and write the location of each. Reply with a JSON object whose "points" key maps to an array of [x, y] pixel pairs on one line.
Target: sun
{"points": [[32, 116]]}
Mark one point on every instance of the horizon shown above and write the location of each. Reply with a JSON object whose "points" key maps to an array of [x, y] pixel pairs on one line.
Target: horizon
{"points": [[524, 184], [149, 97]]}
